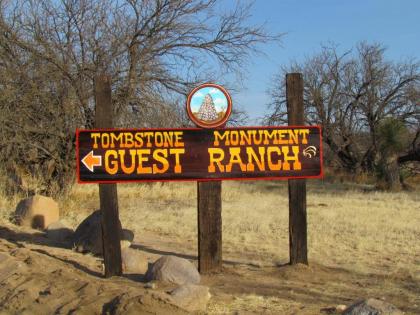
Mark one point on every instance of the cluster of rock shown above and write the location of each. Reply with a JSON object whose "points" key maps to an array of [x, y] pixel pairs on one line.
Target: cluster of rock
{"points": [[207, 111], [40, 212], [43, 213]]}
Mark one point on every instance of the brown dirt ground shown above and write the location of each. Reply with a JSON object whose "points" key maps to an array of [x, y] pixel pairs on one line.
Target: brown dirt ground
{"points": [[39, 277]]}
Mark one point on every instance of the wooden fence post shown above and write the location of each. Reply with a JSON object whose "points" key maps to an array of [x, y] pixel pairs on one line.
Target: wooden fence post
{"points": [[297, 187], [108, 197], [209, 226]]}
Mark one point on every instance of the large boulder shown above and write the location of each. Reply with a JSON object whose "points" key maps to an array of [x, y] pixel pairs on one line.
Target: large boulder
{"points": [[59, 232], [372, 307], [133, 261], [88, 235], [37, 212], [173, 269], [191, 297]]}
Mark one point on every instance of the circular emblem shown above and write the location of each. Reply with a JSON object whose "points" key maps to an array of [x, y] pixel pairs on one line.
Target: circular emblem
{"points": [[209, 105]]}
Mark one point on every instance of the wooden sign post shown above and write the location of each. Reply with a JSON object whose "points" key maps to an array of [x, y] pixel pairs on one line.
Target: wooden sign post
{"points": [[108, 197], [297, 187], [209, 197], [209, 194]]}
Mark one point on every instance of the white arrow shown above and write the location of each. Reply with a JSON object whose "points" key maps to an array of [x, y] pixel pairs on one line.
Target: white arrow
{"points": [[90, 161]]}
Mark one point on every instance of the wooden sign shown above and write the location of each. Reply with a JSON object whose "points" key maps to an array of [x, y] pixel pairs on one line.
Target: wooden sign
{"points": [[198, 154]]}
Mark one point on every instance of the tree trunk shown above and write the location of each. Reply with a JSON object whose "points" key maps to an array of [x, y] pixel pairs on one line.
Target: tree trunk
{"points": [[391, 174]]}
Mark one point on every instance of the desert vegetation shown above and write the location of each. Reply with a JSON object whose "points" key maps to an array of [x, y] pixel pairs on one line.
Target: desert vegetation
{"points": [[155, 52], [367, 106]]}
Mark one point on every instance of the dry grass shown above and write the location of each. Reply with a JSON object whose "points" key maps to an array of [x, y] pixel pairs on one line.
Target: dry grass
{"points": [[254, 304], [346, 226]]}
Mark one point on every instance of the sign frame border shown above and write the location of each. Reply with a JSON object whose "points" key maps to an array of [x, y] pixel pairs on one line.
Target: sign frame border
{"points": [[203, 124], [321, 174]]}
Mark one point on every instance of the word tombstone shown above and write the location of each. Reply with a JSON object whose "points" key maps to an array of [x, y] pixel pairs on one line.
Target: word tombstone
{"points": [[126, 155]]}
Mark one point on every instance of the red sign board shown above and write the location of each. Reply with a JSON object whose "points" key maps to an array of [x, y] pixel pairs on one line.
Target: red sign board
{"points": [[124, 155]]}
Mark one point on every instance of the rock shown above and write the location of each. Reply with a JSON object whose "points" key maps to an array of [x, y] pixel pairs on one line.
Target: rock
{"points": [[174, 270], [133, 261], [150, 285], [127, 235], [340, 308], [88, 235], [37, 212], [191, 297], [57, 231], [148, 302], [372, 307]]}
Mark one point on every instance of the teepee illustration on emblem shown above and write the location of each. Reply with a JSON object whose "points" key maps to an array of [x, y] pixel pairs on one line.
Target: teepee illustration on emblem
{"points": [[207, 111]]}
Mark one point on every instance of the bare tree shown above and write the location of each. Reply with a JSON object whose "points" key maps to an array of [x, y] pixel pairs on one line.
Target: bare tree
{"points": [[350, 94], [155, 51]]}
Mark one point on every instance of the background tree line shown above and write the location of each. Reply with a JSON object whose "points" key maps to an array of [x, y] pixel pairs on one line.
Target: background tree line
{"points": [[368, 108], [155, 52]]}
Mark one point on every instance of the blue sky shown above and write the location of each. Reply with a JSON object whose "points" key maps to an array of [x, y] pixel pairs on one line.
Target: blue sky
{"points": [[310, 23]]}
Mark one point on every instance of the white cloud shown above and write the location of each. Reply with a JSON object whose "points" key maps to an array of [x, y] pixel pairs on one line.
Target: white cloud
{"points": [[214, 91], [220, 103], [198, 94]]}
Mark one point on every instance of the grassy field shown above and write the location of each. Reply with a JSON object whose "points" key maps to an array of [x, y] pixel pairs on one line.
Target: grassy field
{"points": [[349, 226], [346, 225]]}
